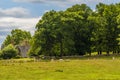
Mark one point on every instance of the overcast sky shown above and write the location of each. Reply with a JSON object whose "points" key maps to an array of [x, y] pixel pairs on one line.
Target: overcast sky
{"points": [[24, 14]]}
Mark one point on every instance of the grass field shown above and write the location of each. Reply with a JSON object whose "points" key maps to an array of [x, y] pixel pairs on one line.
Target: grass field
{"points": [[72, 69]]}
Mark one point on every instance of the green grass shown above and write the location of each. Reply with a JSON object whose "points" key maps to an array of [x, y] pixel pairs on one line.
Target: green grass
{"points": [[89, 68]]}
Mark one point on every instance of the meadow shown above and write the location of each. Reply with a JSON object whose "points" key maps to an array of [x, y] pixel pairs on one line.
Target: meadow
{"points": [[88, 68]]}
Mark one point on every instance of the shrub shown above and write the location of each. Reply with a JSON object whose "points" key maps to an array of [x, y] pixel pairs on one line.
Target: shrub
{"points": [[9, 52], [17, 57]]}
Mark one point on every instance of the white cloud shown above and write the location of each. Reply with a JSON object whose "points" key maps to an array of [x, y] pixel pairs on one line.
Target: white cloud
{"points": [[39, 1], [2, 37], [68, 3], [9, 23], [14, 12], [16, 18]]}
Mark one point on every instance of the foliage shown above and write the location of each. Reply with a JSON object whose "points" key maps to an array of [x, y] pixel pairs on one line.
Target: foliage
{"points": [[60, 33], [109, 27], [77, 31], [16, 37], [9, 52]]}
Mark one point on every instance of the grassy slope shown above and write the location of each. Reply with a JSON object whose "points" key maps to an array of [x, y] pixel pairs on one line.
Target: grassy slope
{"points": [[93, 69]]}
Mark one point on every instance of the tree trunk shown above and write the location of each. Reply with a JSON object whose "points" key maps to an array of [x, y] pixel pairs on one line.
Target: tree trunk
{"points": [[118, 52], [61, 49], [114, 52], [100, 52], [89, 53], [108, 53]]}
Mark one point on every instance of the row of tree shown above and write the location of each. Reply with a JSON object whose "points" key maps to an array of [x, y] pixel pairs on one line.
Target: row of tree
{"points": [[77, 31]]}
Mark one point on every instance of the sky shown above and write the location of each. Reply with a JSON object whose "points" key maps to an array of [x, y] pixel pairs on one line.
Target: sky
{"points": [[25, 14]]}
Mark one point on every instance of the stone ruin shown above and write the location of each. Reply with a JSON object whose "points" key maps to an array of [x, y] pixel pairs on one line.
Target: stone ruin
{"points": [[2, 46], [23, 50]]}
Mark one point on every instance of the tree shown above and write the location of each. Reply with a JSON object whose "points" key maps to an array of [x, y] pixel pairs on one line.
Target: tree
{"points": [[16, 37], [77, 19], [98, 32], [45, 36], [118, 21]]}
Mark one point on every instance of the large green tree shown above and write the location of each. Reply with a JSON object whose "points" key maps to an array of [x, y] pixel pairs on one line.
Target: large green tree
{"points": [[98, 23], [81, 30], [47, 34]]}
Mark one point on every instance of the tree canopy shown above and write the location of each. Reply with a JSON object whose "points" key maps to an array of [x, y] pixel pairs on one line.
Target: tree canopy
{"points": [[16, 37], [78, 31]]}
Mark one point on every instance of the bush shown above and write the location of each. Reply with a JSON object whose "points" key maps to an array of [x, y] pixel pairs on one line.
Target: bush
{"points": [[17, 57], [9, 52]]}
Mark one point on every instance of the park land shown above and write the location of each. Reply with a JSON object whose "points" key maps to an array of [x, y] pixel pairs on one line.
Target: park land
{"points": [[84, 68]]}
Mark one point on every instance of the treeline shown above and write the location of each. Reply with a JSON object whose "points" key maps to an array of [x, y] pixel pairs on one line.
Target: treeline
{"points": [[79, 30]]}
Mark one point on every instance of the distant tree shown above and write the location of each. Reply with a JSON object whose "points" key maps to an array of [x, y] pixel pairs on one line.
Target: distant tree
{"points": [[16, 37]]}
